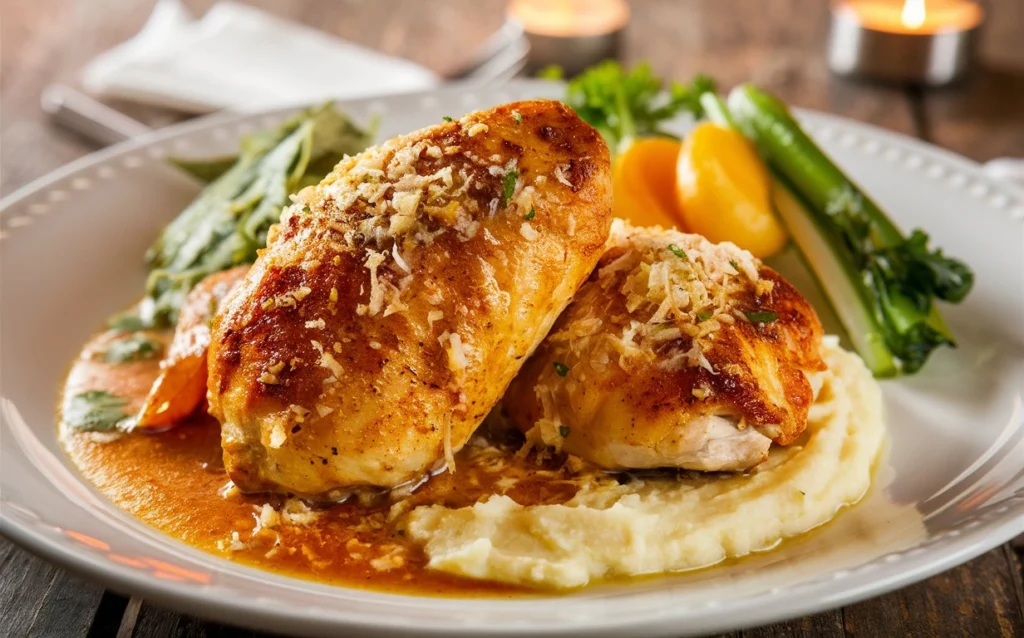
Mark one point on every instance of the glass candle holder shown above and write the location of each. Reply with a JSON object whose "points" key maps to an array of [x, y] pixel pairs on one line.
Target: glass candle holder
{"points": [[927, 42]]}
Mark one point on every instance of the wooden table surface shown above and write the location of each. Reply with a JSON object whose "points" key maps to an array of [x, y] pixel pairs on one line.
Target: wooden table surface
{"points": [[777, 43]]}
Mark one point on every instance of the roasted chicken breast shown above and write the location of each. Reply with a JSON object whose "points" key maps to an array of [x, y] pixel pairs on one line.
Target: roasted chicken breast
{"points": [[396, 300], [676, 353]]}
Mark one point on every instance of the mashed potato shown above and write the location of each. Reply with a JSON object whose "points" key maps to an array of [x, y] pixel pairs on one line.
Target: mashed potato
{"points": [[661, 525]]}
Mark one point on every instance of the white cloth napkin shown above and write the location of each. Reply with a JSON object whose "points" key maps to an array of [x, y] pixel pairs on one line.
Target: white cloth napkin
{"points": [[241, 58]]}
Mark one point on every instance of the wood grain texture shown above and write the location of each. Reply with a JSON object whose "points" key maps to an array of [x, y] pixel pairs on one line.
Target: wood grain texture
{"points": [[109, 617], [983, 118], [156, 622], [39, 599], [976, 599], [827, 624], [778, 43]]}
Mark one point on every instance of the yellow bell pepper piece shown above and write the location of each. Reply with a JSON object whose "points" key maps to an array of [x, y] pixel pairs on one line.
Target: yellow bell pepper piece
{"points": [[644, 183], [724, 191]]}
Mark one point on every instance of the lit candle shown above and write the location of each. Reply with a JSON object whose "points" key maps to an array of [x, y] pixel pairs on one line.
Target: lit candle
{"points": [[573, 34], [916, 16], [919, 41]]}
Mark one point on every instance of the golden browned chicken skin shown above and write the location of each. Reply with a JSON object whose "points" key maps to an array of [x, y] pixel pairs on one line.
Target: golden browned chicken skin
{"points": [[676, 353], [396, 300]]}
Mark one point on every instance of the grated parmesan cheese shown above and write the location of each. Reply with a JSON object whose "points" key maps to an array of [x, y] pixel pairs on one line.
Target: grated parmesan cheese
{"points": [[373, 261], [678, 291], [300, 412], [323, 410], [528, 232], [234, 543], [277, 435], [269, 517], [476, 129], [560, 174], [328, 361], [452, 343], [296, 512]]}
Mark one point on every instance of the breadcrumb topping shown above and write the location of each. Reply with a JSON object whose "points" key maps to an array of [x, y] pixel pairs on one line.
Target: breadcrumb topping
{"points": [[677, 287]]}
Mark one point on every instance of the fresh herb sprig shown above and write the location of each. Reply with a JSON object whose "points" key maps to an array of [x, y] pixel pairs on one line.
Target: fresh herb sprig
{"points": [[229, 220], [134, 347], [96, 411], [624, 104]]}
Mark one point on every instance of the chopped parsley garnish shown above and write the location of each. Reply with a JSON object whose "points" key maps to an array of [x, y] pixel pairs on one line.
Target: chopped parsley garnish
{"points": [[508, 187], [564, 430], [735, 266], [447, 118], [626, 104], [704, 315], [762, 316], [517, 116], [530, 215], [136, 347], [561, 369], [97, 411], [677, 251]]}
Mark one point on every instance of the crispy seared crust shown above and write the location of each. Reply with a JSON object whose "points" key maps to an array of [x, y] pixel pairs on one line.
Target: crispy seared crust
{"points": [[369, 396], [754, 371], [746, 357]]}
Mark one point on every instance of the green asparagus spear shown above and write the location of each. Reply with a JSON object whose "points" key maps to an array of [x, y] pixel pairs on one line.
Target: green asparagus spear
{"points": [[897, 278]]}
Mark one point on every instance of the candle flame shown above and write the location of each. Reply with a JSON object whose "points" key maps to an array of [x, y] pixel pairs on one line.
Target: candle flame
{"points": [[570, 17], [913, 14]]}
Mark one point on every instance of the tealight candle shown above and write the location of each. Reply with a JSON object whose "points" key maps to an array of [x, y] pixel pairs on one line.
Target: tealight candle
{"points": [[572, 34], [919, 41]]}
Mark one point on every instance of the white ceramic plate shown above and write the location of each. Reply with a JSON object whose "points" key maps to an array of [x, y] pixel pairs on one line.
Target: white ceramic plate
{"points": [[951, 487]]}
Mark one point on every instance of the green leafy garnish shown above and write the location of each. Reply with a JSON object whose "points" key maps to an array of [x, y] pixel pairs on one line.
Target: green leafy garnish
{"points": [[128, 321], [96, 411], [205, 170], [561, 369], [677, 251], [626, 104], [135, 347], [762, 316], [517, 116], [564, 430], [508, 187], [447, 118], [551, 72], [530, 215], [704, 315], [228, 222]]}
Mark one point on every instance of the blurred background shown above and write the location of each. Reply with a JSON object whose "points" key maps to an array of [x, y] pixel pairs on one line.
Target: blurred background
{"points": [[781, 44]]}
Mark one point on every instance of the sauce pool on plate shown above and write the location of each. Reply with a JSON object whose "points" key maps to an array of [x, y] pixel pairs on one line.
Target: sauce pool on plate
{"points": [[175, 481]]}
